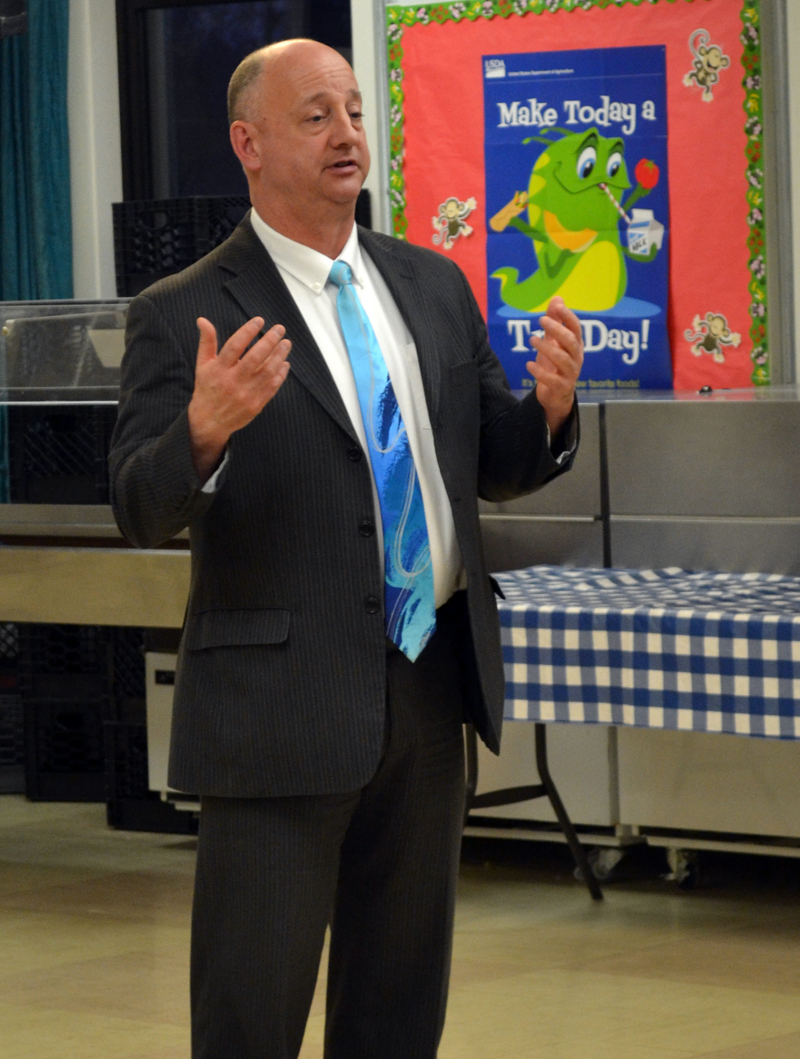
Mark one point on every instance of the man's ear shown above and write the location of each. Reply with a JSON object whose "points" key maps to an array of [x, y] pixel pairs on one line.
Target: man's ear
{"points": [[244, 146]]}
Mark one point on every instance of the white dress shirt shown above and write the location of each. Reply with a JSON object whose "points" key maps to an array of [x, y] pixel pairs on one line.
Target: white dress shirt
{"points": [[305, 272]]}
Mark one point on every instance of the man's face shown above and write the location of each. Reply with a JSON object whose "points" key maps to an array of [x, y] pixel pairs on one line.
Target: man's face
{"points": [[307, 130]]}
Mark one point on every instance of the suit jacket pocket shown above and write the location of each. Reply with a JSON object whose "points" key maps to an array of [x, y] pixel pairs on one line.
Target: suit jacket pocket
{"points": [[236, 628]]}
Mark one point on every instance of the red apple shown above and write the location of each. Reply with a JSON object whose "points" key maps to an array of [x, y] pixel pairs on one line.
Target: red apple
{"points": [[647, 174]]}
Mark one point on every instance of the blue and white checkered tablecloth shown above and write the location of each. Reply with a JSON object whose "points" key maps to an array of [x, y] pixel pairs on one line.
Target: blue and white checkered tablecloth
{"points": [[707, 652]]}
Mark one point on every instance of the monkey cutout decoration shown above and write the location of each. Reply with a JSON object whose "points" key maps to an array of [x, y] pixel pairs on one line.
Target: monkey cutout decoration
{"points": [[451, 221], [711, 335], [709, 59]]}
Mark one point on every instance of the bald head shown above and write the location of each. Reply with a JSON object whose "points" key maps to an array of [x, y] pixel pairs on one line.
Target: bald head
{"points": [[263, 64], [297, 129]]}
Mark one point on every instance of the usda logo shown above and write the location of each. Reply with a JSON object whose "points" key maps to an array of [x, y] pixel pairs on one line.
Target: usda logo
{"points": [[494, 67]]}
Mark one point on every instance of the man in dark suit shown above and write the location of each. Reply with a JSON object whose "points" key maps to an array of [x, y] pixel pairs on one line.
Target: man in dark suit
{"points": [[328, 754]]}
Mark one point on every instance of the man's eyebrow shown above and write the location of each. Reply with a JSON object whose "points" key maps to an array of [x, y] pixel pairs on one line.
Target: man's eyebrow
{"points": [[353, 94]]}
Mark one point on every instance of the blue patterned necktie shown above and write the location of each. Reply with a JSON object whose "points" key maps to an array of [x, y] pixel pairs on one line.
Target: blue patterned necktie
{"points": [[410, 609]]}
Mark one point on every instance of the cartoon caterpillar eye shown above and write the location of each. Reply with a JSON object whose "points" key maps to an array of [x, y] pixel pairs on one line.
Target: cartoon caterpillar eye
{"points": [[614, 164], [586, 161]]}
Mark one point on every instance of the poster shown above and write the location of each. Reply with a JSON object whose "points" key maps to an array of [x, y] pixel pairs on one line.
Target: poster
{"points": [[453, 170], [577, 205]]}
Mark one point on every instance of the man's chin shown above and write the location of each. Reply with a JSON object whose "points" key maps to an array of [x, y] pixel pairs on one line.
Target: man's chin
{"points": [[344, 191]]}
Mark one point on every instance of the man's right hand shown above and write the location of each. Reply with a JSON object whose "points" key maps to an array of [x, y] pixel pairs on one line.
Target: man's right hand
{"points": [[231, 388]]}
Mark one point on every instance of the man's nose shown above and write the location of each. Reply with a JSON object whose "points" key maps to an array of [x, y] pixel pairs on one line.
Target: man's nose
{"points": [[342, 132]]}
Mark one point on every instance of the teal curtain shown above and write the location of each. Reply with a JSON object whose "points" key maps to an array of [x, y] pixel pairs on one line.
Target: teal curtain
{"points": [[35, 214], [35, 210]]}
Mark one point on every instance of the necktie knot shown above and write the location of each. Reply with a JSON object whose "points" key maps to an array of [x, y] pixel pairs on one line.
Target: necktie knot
{"points": [[340, 274]]}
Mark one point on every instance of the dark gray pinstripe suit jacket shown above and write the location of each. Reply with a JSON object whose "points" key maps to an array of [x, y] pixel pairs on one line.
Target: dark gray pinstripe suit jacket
{"points": [[280, 686]]}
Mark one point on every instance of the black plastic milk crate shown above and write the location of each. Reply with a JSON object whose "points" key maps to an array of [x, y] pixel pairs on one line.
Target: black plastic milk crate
{"points": [[64, 750], [128, 675], [12, 744], [12, 732], [130, 804], [73, 679], [9, 656], [69, 663], [59, 454], [154, 238]]}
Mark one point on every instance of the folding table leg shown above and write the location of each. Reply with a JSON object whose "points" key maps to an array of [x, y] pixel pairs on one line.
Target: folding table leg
{"points": [[513, 795], [570, 834]]}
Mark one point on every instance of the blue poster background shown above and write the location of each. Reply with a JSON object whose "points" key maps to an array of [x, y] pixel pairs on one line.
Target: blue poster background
{"points": [[554, 100]]}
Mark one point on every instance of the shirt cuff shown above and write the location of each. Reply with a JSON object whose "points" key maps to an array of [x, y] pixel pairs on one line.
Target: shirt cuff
{"points": [[566, 442], [211, 484]]}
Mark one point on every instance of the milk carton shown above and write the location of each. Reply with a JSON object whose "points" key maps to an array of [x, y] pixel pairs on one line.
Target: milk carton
{"points": [[644, 232]]}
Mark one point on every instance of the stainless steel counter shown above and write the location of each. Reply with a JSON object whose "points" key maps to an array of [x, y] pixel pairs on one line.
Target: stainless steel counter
{"points": [[60, 520], [701, 481], [94, 586]]}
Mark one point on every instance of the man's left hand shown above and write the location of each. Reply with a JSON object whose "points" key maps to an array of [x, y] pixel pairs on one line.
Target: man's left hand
{"points": [[559, 356]]}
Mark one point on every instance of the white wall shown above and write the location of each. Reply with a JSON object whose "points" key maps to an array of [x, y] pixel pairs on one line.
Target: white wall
{"points": [[369, 63], [95, 156], [366, 18]]}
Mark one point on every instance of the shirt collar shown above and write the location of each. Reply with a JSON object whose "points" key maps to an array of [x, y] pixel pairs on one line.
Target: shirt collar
{"points": [[308, 266]]}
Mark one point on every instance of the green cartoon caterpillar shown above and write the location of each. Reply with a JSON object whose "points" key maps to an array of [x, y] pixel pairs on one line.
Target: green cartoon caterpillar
{"points": [[574, 202]]}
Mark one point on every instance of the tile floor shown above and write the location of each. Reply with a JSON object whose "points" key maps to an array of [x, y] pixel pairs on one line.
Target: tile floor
{"points": [[94, 934]]}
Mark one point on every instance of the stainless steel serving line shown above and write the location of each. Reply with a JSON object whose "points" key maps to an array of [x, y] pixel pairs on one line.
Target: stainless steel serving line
{"points": [[94, 586], [699, 481], [68, 563]]}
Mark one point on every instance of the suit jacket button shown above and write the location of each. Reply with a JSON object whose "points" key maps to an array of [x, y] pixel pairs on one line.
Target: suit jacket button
{"points": [[372, 604], [354, 453], [366, 527]]}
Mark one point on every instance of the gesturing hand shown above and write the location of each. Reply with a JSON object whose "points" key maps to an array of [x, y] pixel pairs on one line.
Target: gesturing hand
{"points": [[231, 388], [558, 362]]}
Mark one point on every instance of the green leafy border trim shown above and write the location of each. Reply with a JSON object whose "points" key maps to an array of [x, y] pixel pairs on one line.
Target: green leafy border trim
{"points": [[397, 18]]}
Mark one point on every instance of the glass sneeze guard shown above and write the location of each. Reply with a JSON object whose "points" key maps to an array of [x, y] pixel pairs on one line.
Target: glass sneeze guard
{"points": [[61, 352]]}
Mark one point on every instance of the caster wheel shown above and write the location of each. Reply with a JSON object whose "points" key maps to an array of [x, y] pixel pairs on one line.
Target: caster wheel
{"points": [[603, 861], [684, 868]]}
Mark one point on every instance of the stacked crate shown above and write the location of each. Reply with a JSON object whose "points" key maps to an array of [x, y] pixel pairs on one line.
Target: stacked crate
{"points": [[131, 805], [12, 735], [65, 680], [155, 238], [59, 454], [85, 729]]}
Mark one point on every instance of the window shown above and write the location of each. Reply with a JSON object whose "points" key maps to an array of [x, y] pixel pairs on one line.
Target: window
{"points": [[175, 63]]}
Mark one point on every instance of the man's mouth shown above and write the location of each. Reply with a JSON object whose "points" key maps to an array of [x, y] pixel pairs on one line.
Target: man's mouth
{"points": [[345, 164]]}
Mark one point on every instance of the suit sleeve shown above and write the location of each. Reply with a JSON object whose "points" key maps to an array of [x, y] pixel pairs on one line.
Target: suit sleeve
{"points": [[155, 492], [515, 456]]}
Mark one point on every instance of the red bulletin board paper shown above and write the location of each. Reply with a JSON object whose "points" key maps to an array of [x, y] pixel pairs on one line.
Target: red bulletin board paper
{"points": [[438, 148]]}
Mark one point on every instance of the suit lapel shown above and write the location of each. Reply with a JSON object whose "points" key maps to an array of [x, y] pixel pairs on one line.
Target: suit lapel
{"points": [[256, 284], [414, 308]]}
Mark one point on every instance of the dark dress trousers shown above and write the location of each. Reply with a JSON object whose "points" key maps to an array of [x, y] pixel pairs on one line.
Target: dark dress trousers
{"points": [[284, 688]]}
